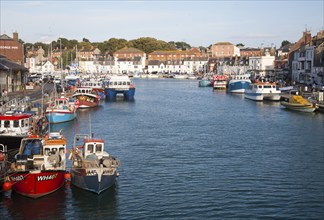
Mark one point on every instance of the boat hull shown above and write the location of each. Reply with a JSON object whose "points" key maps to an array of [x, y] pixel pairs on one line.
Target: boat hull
{"points": [[262, 96], [298, 107], [55, 117], [91, 183], [204, 83], [238, 86], [111, 94], [220, 85], [38, 184]]}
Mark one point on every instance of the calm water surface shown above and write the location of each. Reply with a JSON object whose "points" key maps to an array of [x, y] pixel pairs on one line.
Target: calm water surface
{"points": [[191, 153]]}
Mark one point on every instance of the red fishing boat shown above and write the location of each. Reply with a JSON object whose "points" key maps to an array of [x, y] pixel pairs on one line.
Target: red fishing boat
{"points": [[86, 98], [40, 165]]}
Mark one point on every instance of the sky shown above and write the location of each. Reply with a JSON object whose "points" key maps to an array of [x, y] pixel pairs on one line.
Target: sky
{"points": [[199, 23]]}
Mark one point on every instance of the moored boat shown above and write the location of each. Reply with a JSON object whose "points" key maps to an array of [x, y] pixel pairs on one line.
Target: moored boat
{"points": [[14, 126], [120, 84], [93, 169], [40, 165], [204, 82], [96, 86], [239, 83], [263, 91], [298, 103], [61, 110], [86, 98], [219, 82]]}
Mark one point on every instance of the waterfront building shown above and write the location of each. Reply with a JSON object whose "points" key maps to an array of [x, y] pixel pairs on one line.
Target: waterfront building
{"points": [[262, 66], [163, 55], [12, 75], [307, 60], [250, 52], [11, 48], [156, 66], [224, 49], [194, 65], [87, 54]]}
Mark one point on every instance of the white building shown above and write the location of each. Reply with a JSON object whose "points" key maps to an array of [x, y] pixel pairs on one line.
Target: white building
{"points": [[156, 66], [193, 65], [262, 66], [47, 67]]}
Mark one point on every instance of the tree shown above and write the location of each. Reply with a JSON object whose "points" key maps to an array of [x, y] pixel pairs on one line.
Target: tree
{"points": [[284, 43], [240, 45], [85, 40]]}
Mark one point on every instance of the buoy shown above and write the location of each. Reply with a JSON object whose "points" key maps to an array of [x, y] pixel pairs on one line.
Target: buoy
{"points": [[67, 176], [7, 186], [2, 157]]}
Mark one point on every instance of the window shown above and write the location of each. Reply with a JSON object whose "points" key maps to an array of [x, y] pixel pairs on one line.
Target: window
{"points": [[98, 148], [90, 148], [6, 124]]}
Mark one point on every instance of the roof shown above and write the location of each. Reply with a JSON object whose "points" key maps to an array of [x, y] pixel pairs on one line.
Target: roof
{"points": [[128, 50], [5, 37], [6, 64], [223, 43]]}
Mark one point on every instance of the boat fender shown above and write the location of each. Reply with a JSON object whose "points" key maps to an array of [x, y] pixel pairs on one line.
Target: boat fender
{"points": [[2, 156], [7, 186]]}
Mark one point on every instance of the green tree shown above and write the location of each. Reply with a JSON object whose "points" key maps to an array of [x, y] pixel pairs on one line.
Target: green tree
{"points": [[284, 43], [240, 45]]}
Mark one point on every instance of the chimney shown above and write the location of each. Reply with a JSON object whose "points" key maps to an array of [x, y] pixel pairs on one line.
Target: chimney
{"points": [[15, 36]]}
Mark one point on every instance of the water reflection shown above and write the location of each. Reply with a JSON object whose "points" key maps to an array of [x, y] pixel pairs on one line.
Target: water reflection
{"points": [[90, 205], [50, 206]]}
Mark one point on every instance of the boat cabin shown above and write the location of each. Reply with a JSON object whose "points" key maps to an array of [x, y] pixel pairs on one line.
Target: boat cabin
{"points": [[120, 83], [14, 124], [94, 147], [42, 153], [91, 84], [84, 90]]}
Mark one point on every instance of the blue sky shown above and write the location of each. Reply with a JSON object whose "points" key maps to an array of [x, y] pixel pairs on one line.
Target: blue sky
{"points": [[199, 23]]}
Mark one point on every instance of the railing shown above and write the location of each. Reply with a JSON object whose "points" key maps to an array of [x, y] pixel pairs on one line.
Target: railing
{"points": [[15, 104]]}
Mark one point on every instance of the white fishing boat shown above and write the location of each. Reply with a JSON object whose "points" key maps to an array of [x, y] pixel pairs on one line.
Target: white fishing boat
{"points": [[263, 91]]}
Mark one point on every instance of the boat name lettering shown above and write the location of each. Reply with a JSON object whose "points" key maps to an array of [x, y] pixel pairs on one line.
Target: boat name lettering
{"points": [[91, 172], [48, 177], [17, 178]]}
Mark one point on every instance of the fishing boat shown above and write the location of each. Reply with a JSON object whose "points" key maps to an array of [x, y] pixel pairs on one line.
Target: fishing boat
{"points": [[120, 85], [239, 83], [40, 165], [93, 169], [86, 98], [298, 103], [96, 86], [260, 91], [220, 82], [3, 163], [204, 82], [62, 109], [14, 126]]}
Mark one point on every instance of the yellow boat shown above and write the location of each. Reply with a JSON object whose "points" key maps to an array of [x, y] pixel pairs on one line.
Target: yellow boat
{"points": [[298, 103]]}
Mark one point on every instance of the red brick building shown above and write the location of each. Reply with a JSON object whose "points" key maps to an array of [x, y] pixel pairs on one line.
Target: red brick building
{"points": [[174, 55], [11, 48], [129, 53]]}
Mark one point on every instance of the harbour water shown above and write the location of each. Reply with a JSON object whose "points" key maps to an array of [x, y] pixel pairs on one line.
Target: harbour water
{"points": [[191, 153]]}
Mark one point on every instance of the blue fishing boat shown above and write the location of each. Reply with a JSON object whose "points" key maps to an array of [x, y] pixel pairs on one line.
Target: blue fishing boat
{"points": [[120, 85], [239, 83], [204, 82], [93, 169], [61, 110]]}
